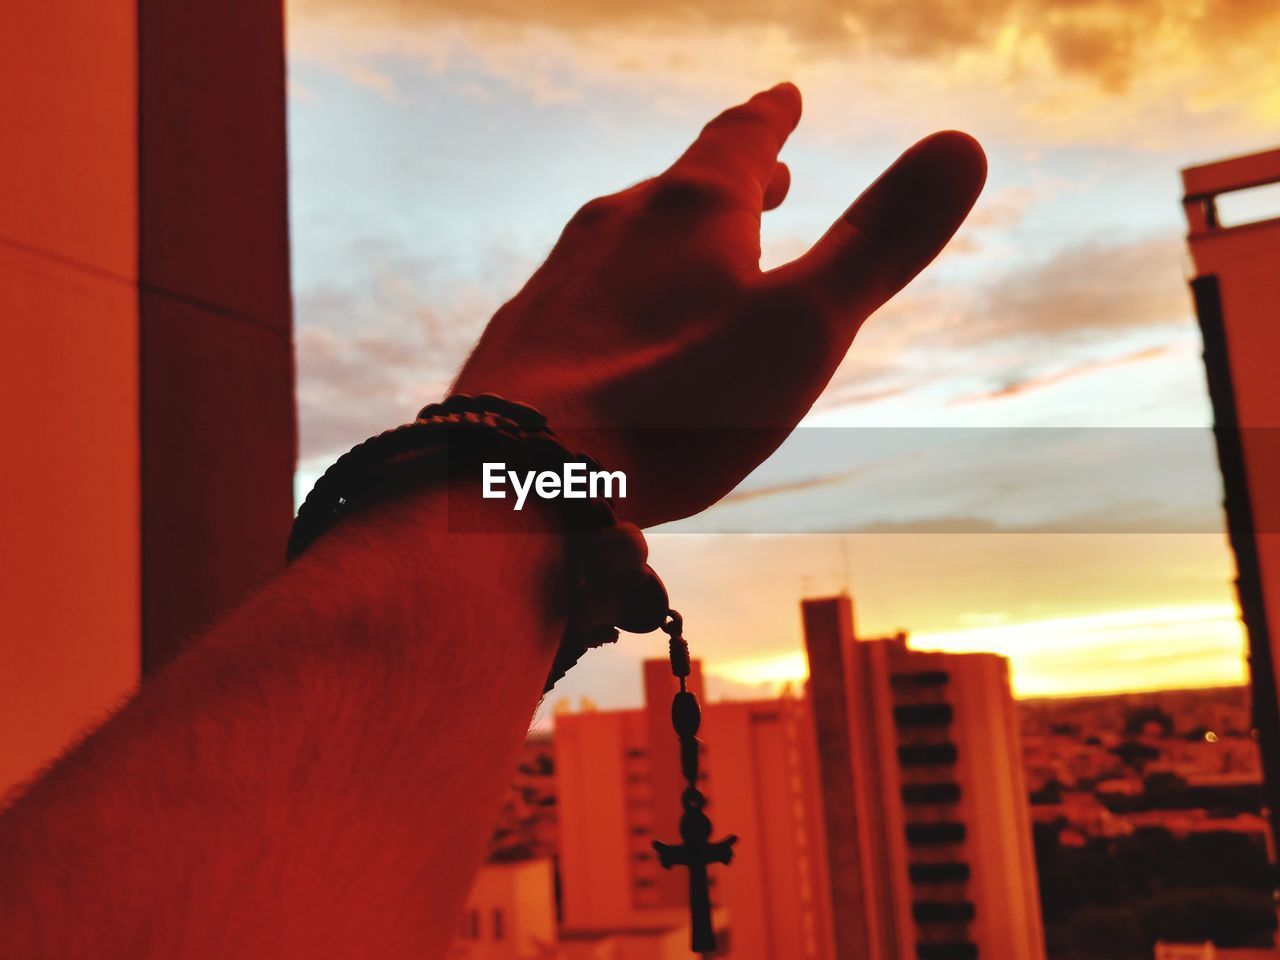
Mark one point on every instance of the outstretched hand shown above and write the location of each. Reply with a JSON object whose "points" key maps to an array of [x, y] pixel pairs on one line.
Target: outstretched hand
{"points": [[653, 341]]}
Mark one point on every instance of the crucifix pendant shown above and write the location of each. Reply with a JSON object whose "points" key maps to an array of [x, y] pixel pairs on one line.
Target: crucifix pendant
{"points": [[696, 851], [697, 854]]}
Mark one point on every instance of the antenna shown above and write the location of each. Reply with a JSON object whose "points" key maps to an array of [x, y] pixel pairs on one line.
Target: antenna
{"points": [[844, 559]]}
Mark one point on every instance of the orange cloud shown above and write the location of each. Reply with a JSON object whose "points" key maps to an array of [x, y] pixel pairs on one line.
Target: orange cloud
{"points": [[1088, 288], [1038, 382], [1109, 42]]}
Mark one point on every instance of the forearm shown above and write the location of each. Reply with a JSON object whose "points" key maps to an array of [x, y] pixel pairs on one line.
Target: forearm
{"points": [[318, 774]]}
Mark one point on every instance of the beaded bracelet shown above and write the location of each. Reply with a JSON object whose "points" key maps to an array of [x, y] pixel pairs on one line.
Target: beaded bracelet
{"points": [[612, 585]]}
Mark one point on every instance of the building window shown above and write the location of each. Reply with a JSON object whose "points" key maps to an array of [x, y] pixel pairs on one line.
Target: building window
{"points": [[942, 911], [470, 925], [947, 950], [935, 834], [946, 871], [927, 754], [921, 678], [931, 793], [499, 931], [923, 714]]}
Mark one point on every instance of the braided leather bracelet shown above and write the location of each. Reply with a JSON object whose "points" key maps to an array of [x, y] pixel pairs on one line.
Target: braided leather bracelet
{"points": [[613, 586]]}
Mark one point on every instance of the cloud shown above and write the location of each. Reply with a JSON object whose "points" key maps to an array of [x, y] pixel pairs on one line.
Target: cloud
{"points": [[933, 525], [921, 28], [1081, 310], [347, 392], [791, 487], [388, 339], [1119, 517], [1111, 45], [1018, 386], [997, 213], [1086, 289], [850, 391]]}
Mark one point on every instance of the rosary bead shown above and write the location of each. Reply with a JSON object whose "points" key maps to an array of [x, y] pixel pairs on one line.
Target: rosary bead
{"points": [[689, 758], [695, 826], [692, 799], [644, 607], [686, 715]]}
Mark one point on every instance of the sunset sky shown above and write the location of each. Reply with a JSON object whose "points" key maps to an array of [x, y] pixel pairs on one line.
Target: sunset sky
{"points": [[437, 149]]}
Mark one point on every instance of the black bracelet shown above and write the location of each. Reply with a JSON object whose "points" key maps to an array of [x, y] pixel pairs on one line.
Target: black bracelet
{"points": [[606, 556]]}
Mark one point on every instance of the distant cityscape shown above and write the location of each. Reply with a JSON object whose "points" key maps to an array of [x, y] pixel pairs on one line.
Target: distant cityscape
{"points": [[935, 818], [1148, 822]]}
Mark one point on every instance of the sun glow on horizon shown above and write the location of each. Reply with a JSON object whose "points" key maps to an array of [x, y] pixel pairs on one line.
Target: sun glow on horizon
{"points": [[1194, 645]]}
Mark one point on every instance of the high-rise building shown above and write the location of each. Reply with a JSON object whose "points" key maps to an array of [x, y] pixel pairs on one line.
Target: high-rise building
{"points": [[925, 810], [1236, 287], [883, 815]]}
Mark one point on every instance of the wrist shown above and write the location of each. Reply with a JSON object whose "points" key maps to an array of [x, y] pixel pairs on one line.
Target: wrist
{"points": [[439, 544], [430, 478]]}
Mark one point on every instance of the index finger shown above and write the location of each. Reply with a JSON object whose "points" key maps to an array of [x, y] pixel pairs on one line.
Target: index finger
{"points": [[741, 144]]}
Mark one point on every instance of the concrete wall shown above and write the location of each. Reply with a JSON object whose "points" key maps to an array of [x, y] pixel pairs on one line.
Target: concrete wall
{"points": [[70, 613], [146, 380]]}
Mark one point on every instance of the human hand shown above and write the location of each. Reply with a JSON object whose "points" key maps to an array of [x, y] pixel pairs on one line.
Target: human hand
{"points": [[652, 340]]}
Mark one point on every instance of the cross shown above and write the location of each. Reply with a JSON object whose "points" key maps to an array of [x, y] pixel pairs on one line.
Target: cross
{"points": [[696, 854]]}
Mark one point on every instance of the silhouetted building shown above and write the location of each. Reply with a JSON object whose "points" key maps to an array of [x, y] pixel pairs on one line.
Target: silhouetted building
{"points": [[1236, 287], [925, 810]]}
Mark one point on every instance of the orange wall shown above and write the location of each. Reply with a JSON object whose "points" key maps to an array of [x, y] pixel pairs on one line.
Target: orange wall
{"points": [[69, 613], [597, 809]]}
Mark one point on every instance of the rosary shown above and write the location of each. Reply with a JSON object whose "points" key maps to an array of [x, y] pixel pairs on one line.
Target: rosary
{"points": [[696, 851], [462, 432]]}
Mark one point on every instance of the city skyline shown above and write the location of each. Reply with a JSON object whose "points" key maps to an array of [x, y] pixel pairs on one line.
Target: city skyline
{"points": [[900, 802], [882, 808]]}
